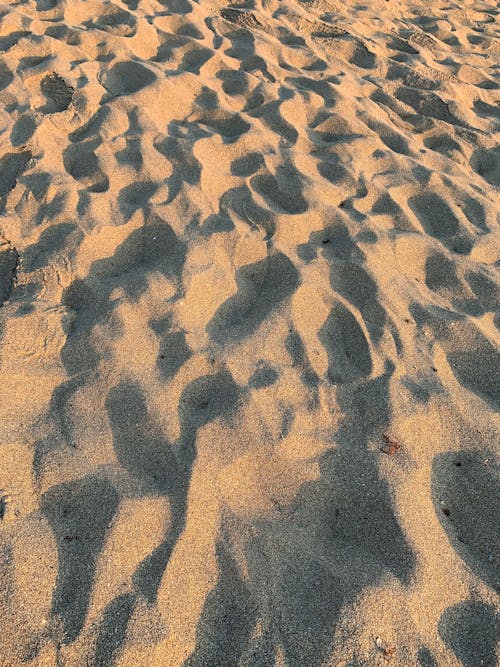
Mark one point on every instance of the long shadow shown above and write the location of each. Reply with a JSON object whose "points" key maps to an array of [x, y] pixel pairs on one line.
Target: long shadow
{"points": [[227, 620], [162, 466], [113, 628], [154, 247], [339, 536], [79, 513]]}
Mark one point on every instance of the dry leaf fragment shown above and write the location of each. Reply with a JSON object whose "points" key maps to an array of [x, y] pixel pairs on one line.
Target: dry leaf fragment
{"points": [[390, 446]]}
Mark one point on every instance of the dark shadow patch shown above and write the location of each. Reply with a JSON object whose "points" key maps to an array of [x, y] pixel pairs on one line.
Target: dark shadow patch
{"points": [[229, 126], [138, 442], [247, 165], [475, 213], [336, 242], [127, 77], [142, 450], [8, 41], [132, 154], [471, 629], [271, 116], [393, 140], [9, 260], [438, 220], [323, 88], [81, 162], [6, 76], [233, 82], [23, 129], [241, 202], [217, 223], [240, 17], [207, 99], [355, 284], [283, 192], [177, 6], [427, 104], [264, 376], [295, 348], [113, 628], [79, 514], [485, 289], [52, 240], [442, 143], [486, 163], [441, 277], [114, 20], [261, 289], [466, 498], [153, 247], [385, 205], [173, 352], [135, 196], [486, 110], [12, 165], [92, 127], [185, 167], [334, 171], [227, 618], [45, 5], [194, 59], [476, 365], [425, 657], [346, 345]]}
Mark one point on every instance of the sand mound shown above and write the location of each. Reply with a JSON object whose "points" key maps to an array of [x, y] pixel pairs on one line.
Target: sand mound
{"points": [[249, 333]]}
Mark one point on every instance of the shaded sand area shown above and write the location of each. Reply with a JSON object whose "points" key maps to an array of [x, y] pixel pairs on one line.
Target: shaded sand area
{"points": [[249, 334]]}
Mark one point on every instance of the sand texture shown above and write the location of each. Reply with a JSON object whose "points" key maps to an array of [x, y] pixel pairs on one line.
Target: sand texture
{"points": [[249, 333]]}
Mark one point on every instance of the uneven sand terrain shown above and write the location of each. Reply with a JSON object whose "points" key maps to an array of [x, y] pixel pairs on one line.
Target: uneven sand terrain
{"points": [[249, 360]]}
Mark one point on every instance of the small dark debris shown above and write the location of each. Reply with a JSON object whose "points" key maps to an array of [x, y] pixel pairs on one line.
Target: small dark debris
{"points": [[3, 508], [446, 511], [388, 653], [57, 90], [390, 447]]}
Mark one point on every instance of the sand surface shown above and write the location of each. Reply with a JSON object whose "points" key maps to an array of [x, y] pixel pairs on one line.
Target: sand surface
{"points": [[249, 330]]}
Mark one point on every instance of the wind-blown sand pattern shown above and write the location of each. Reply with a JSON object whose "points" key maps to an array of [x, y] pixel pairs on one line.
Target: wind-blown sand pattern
{"points": [[249, 333]]}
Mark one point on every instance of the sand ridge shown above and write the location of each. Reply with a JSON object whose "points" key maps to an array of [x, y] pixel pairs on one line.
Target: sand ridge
{"points": [[249, 333]]}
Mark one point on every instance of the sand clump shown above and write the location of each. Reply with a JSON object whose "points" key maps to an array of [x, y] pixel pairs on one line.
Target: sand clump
{"points": [[249, 325]]}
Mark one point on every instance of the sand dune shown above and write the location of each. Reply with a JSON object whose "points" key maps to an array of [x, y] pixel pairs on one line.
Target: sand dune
{"points": [[249, 333]]}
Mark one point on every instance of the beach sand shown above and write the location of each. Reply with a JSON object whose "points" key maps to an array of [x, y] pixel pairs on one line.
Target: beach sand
{"points": [[249, 332]]}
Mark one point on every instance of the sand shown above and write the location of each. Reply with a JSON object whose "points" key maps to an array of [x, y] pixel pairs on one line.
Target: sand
{"points": [[249, 330]]}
